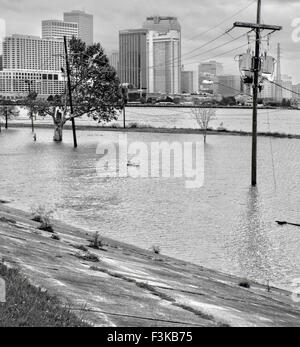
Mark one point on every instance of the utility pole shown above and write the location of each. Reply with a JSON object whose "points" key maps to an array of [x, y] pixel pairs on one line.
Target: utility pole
{"points": [[31, 115], [278, 90], [70, 93], [256, 70], [124, 117], [6, 118]]}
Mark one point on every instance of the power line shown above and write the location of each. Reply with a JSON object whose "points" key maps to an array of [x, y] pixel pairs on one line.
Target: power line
{"points": [[280, 86], [222, 22], [225, 44]]}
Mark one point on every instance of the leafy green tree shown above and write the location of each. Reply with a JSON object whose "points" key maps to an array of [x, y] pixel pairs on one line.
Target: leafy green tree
{"points": [[95, 90]]}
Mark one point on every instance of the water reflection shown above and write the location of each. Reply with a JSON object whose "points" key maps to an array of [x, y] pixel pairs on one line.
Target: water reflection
{"points": [[253, 246]]}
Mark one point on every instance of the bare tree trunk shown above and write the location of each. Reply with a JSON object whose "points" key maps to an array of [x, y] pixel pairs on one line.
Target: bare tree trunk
{"points": [[58, 132], [205, 135], [58, 127]]}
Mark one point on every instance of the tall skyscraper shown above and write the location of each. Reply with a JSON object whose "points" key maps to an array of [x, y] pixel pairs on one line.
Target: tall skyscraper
{"points": [[163, 54], [40, 63], [2, 34], [114, 60], [85, 25], [32, 53], [57, 29], [187, 81], [132, 57]]}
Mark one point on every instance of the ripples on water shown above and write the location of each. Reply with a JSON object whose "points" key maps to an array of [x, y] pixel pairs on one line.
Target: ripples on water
{"points": [[224, 225]]}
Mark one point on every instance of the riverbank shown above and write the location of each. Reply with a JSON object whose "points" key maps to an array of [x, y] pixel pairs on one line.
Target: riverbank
{"points": [[122, 285], [149, 129], [28, 306]]}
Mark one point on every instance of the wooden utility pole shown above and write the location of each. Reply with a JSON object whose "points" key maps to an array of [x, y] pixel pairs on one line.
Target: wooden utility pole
{"points": [[70, 93], [31, 103], [258, 27], [6, 118], [124, 117]]}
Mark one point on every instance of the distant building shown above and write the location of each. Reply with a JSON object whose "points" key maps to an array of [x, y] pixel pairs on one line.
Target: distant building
{"points": [[163, 55], [228, 85], [287, 83], [211, 67], [2, 34], [23, 52], [268, 91], [207, 72], [13, 83], [206, 83], [57, 29], [85, 25], [132, 57], [40, 61], [296, 91], [114, 60], [162, 24], [164, 64], [187, 82]]}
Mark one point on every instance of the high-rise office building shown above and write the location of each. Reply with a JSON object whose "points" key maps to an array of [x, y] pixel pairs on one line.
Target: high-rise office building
{"points": [[2, 34], [14, 83], [163, 55], [296, 91], [228, 85], [114, 60], [32, 53], [164, 63], [57, 29], [85, 25], [187, 81], [207, 73], [30, 58], [132, 57]]}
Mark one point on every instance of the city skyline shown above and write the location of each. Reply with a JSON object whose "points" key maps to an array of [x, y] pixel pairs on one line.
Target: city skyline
{"points": [[25, 17]]}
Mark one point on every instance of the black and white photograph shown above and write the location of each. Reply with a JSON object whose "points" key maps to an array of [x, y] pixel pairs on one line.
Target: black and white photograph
{"points": [[149, 166]]}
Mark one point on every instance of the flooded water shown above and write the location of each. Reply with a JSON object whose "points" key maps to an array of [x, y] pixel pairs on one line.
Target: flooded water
{"points": [[224, 225], [274, 120]]}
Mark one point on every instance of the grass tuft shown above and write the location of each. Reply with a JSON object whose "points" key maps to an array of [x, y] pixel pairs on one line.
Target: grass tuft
{"points": [[28, 306], [97, 241], [156, 249], [43, 216]]}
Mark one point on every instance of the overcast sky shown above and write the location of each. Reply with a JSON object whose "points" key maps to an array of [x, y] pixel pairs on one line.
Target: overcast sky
{"points": [[195, 16]]}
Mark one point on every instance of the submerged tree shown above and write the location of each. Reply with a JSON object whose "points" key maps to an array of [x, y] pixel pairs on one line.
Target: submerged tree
{"points": [[203, 117], [95, 89], [7, 111]]}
